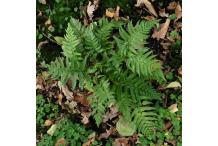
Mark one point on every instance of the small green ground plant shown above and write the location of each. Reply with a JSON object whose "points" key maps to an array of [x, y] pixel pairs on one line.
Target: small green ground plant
{"points": [[111, 60], [73, 134]]}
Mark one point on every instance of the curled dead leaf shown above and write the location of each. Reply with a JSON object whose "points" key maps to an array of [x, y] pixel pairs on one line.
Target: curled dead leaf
{"points": [[66, 91], [91, 8], [85, 119], [81, 98], [40, 44], [172, 6], [178, 12], [110, 13], [40, 83], [111, 114], [165, 45], [90, 140], [106, 134], [48, 123], [48, 22], [117, 13], [162, 13], [148, 5], [168, 125], [149, 18], [121, 142], [173, 108], [174, 85], [52, 129], [163, 30], [60, 142]]}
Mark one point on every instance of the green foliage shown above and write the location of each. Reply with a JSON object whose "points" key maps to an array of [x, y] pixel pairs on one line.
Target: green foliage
{"points": [[74, 134], [116, 67], [103, 98], [44, 110]]}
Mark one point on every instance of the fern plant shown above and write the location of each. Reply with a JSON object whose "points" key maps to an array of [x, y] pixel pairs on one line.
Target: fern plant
{"points": [[111, 60]]}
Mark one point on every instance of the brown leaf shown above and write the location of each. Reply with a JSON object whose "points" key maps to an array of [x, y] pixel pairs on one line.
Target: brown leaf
{"points": [[48, 123], [172, 6], [106, 134], [178, 12], [110, 13], [40, 83], [85, 119], [48, 22], [149, 18], [61, 142], [162, 13], [81, 99], [90, 140], [60, 97], [40, 44], [165, 45], [163, 30], [117, 13], [66, 91], [148, 5], [173, 108], [121, 142], [91, 8], [168, 125], [111, 114]]}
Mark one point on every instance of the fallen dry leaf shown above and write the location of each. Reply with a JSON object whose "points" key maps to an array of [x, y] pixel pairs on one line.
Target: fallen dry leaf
{"points": [[162, 13], [52, 129], [174, 85], [40, 44], [111, 114], [90, 140], [168, 125], [165, 45], [81, 98], [178, 12], [148, 5], [172, 6], [163, 30], [48, 22], [121, 142], [110, 13], [66, 91], [173, 108], [42, 2], [91, 8], [106, 134], [117, 13], [85, 119], [48, 123], [60, 97], [149, 18], [40, 83], [60, 142]]}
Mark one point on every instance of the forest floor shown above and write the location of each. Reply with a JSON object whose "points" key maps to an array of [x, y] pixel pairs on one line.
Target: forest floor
{"points": [[59, 120]]}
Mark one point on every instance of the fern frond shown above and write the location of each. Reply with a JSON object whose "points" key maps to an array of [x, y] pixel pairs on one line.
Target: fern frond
{"points": [[70, 44], [144, 118], [91, 42], [145, 64], [103, 98]]}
